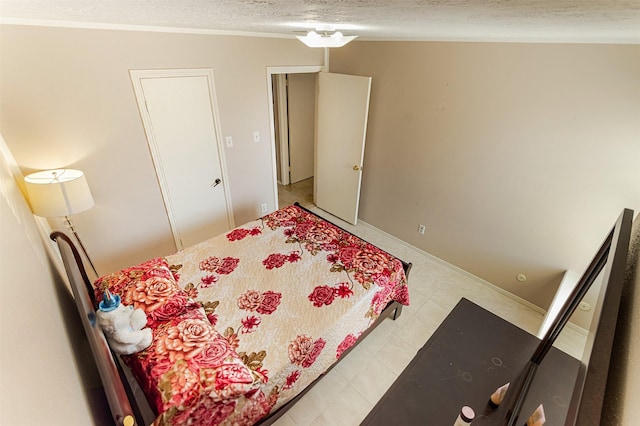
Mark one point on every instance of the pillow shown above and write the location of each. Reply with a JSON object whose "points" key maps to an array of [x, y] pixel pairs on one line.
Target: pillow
{"points": [[187, 363], [150, 286]]}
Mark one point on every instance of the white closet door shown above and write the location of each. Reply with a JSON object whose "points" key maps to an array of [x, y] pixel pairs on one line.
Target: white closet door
{"points": [[180, 119]]}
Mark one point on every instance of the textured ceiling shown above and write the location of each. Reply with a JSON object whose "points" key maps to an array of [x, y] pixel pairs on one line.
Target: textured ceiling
{"points": [[616, 21]]}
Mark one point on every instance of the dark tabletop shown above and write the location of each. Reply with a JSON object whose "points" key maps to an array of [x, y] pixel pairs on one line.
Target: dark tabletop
{"points": [[468, 357]]}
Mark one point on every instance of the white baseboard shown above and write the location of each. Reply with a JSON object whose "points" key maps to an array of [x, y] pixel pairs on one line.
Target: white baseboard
{"points": [[479, 280]]}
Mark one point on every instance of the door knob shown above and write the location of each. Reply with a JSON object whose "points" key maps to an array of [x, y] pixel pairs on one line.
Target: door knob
{"points": [[357, 168], [217, 182]]}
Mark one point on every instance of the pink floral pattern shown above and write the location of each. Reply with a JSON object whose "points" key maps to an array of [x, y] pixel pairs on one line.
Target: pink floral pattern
{"points": [[270, 302], [291, 379], [186, 340], [150, 286], [324, 295], [240, 233], [264, 303], [277, 260], [304, 350], [289, 294], [363, 262], [221, 266], [348, 341], [250, 324], [186, 360]]}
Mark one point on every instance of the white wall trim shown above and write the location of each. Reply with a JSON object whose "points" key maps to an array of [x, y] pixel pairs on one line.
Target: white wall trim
{"points": [[283, 127], [470, 38], [139, 28], [270, 72], [294, 69], [475, 278]]}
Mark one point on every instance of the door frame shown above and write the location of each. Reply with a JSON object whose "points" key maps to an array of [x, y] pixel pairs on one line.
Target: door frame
{"points": [[281, 104], [300, 69], [136, 80]]}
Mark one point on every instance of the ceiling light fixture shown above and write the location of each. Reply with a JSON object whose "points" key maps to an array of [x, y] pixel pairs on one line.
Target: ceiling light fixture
{"points": [[325, 39]]}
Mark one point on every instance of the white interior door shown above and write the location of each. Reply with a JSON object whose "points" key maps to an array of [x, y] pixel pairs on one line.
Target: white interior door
{"points": [[342, 112], [301, 120], [180, 119]]}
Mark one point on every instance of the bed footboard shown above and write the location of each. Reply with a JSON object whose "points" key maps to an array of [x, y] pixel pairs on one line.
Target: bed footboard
{"points": [[405, 265], [114, 387]]}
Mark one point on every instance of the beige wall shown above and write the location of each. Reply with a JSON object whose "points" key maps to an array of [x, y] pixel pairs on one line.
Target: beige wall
{"points": [[499, 149], [518, 158], [40, 379], [67, 101], [506, 152]]}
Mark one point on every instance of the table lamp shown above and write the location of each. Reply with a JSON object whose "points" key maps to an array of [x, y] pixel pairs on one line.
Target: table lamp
{"points": [[60, 193]]}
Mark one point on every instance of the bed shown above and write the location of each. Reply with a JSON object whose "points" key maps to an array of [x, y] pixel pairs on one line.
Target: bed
{"points": [[244, 323]]}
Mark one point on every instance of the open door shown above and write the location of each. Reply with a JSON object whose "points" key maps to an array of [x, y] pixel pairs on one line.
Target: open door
{"points": [[342, 113]]}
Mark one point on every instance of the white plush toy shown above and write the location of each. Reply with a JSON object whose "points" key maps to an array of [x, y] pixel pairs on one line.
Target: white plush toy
{"points": [[123, 325]]}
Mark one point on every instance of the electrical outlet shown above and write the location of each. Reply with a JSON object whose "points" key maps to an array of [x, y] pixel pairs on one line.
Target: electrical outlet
{"points": [[263, 207], [421, 229]]}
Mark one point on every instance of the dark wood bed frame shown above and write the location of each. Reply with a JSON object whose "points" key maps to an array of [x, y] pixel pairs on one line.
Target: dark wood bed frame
{"points": [[126, 409]]}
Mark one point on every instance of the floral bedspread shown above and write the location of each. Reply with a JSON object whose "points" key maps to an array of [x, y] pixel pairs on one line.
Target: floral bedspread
{"points": [[245, 321]]}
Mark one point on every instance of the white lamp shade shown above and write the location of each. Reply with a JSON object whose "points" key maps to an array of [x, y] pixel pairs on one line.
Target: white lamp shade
{"points": [[313, 39], [60, 192]]}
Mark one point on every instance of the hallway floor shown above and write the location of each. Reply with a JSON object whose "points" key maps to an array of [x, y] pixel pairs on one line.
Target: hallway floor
{"points": [[301, 192]]}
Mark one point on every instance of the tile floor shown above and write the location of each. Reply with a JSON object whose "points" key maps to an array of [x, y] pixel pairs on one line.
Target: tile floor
{"points": [[349, 391], [301, 192]]}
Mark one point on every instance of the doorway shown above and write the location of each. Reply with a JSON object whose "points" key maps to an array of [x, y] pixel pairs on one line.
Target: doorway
{"points": [[340, 122], [292, 101], [295, 114]]}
